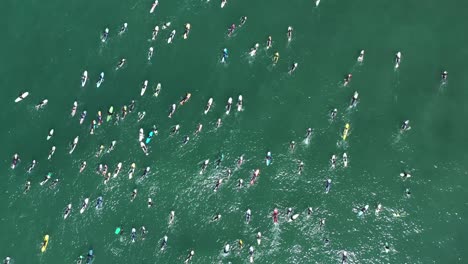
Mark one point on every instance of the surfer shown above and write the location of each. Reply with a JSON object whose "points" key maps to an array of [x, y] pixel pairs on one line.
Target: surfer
{"points": [[124, 111], [166, 25], [83, 116], [31, 167], [259, 238], [308, 134], [99, 118], [354, 100], [248, 215], [322, 222], [229, 173], [171, 217], [100, 151], [268, 158], [132, 170], [105, 35], [345, 160], [289, 33], [84, 78], [131, 107], [227, 248], [187, 30], [144, 148], [99, 202], [344, 257], [7, 260], [123, 29], [172, 111], [333, 113], [67, 211], [327, 185], [243, 19], [405, 126], [150, 202], [240, 183], [208, 105], [155, 33], [218, 123], [27, 186], [54, 183], [301, 167], [185, 99], [253, 50], [75, 106], [175, 129], [276, 58], [164, 243], [150, 53], [51, 152], [73, 144], [117, 170], [185, 140], [254, 176], [219, 160], [269, 42], [143, 232], [361, 56], [251, 252], [199, 128], [378, 209], [84, 205], [444, 75], [333, 161], [190, 256], [120, 64], [231, 29], [134, 194], [171, 36], [240, 161], [225, 55], [347, 79], [397, 60], [133, 235], [218, 184], [292, 145], [228, 106], [112, 146], [309, 211], [41, 104], [217, 217], [293, 67], [145, 172], [405, 175], [239, 103], [275, 216], [100, 80], [141, 115], [15, 161]]}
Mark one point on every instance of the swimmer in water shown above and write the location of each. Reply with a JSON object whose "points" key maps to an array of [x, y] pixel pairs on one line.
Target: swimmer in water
{"points": [[293, 67], [123, 29], [292, 146], [322, 223], [333, 114], [134, 194], [199, 128], [276, 57], [300, 168], [308, 134], [269, 42], [405, 126], [243, 19], [354, 100], [289, 33], [41, 104], [347, 79], [150, 202], [240, 183]]}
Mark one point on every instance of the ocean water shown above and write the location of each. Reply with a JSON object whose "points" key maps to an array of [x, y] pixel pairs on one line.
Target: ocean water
{"points": [[47, 45]]}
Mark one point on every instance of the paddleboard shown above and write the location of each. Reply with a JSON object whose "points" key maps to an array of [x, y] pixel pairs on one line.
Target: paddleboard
{"points": [[84, 207], [21, 97], [155, 4], [46, 243], [345, 132]]}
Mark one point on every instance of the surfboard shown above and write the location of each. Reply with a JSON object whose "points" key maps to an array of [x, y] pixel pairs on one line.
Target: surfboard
{"points": [[84, 207], [85, 78], [98, 84], [143, 89], [223, 3], [317, 3], [21, 97], [51, 133]]}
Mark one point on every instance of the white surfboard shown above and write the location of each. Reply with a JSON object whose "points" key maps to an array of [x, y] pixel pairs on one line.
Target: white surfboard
{"points": [[51, 133], [143, 89], [21, 97], [317, 2], [155, 4], [101, 79], [223, 3], [84, 207]]}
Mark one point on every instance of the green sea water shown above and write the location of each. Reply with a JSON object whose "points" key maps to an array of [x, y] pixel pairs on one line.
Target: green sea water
{"points": [[46, 45]]}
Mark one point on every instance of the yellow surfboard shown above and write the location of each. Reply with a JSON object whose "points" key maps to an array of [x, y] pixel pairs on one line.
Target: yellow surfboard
{"points": [[45, 243], [345, 131]]}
